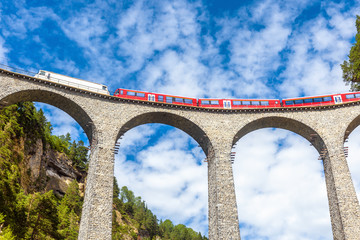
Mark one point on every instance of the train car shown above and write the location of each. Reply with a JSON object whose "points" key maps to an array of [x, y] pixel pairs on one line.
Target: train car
{"points": [[73, 82], [347, 97], [321, 100], [155, 97], [238, 103], [310, 101]]}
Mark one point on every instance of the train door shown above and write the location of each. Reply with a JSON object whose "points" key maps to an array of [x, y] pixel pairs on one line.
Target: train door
{"points": [[151, 97], [337, 99], [227, 104]]}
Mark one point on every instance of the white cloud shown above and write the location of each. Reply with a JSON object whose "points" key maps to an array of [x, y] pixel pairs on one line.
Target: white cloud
{"points": [[25, 20], [353, 158], [255, 52], [85, 28], [281, 191], [167, 175], [62, 123], [175, 74], [133, 140], [316, 52], [3, 51]]}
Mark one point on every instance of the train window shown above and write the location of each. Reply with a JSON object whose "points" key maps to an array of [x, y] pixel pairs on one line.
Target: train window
{"points": [[264, 103], [236, 102], [289, 102], [121, 92], [103, 87], [131, 93], [116, 92], [42, 73], [245, 102], [327, 99], [169, 99], [308, 100], [357, 95], [140, 94], [188, 101], [179, 100], [349, 96], [214, 102], [205, 102], [299, 101], [255, 103], [318, 99], [160, 98]]}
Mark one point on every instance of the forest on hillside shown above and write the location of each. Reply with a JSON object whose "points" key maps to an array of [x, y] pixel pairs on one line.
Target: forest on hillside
{"points": [[29, 211]]}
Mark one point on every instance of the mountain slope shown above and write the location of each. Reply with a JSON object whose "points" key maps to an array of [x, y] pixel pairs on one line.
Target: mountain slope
{"points": [[42, 180]]}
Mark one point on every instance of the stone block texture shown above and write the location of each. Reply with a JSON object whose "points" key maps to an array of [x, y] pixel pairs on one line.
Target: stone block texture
{"points": [[105, 118]]}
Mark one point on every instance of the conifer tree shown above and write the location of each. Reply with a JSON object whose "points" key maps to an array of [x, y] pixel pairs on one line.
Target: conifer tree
{"points": [[5, 231], [351, 68], [69, 212], [42, 219]]}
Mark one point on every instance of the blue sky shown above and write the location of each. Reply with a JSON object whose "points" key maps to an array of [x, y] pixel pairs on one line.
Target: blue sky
{"points": [[259, 49]]}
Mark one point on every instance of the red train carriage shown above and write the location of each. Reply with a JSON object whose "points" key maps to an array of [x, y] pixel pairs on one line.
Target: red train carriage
{"points": [[211, 103], [348, 97], [239, 103], [154, 97], [131, 94], [308, 101], [321, 100]]}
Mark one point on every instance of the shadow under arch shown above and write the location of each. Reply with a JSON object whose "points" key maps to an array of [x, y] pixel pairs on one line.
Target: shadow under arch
{"points": [[56, 100], [173, 120], [283, 123]]}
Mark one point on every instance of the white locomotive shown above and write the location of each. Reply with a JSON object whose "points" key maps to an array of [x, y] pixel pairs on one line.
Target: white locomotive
{"points": [[73, 82]]}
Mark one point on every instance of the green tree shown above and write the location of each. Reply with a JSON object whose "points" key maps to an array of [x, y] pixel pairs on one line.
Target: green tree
{"points": [[351, 68], [5, 231], [151, 223], [72, 197], [78, 154], [166, 228], [116, 191], [68, 226], [128, 198], [180, 233], [69, 211], [42, 219], [32, 215]]}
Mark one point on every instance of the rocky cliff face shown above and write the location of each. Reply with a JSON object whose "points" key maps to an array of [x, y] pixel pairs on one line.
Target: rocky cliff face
{"points": [[47, 169]]}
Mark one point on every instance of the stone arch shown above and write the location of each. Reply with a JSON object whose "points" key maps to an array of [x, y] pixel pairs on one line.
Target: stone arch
{"points": [[305, 131], [284, 123], [56, 100], [171, 119], [351, 127]]}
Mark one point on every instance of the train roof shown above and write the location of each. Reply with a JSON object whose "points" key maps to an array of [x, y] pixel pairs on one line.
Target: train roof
{"points": [[72, 77]]}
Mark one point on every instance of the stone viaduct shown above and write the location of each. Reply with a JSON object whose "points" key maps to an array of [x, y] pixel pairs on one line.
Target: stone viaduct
{"points": [[105, 118]]}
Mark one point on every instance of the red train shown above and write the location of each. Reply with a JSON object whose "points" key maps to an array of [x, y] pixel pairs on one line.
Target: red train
{"points": [[238, 103]]}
